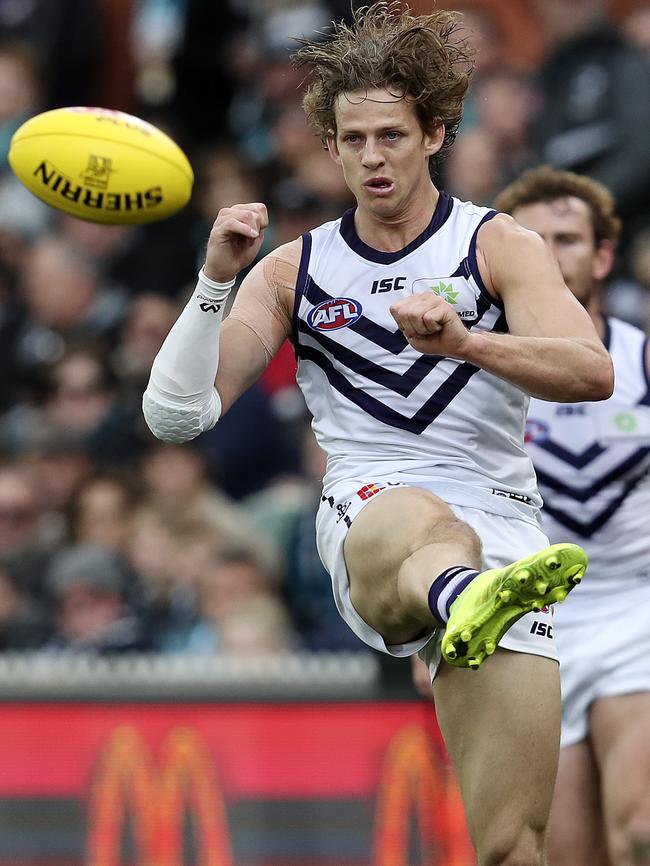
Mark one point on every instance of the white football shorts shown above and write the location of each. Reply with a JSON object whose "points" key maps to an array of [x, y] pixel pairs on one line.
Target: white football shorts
{"points": [[603, 638], [504, 540]]}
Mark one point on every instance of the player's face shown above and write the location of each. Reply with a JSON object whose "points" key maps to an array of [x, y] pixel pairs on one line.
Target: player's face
{"points": [[383, 150], [565, 225]]}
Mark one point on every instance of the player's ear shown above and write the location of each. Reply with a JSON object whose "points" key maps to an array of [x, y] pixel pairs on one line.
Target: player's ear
{"points": [[332, 146], [603, 260], [433, 139]]}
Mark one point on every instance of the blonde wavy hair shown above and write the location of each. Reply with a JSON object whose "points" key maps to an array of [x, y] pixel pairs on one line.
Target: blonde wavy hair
{"points": [[420, 57]]}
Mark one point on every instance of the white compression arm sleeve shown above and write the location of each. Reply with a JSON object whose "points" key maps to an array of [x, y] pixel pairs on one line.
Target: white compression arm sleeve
{"points": [[181, 401]]}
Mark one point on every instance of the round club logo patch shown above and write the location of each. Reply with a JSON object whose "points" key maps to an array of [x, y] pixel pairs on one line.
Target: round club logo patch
{"points": [[334, 314], [536, 431]]}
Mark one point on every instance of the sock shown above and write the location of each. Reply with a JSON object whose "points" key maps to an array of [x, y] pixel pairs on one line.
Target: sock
{"points": [[446, 588]]}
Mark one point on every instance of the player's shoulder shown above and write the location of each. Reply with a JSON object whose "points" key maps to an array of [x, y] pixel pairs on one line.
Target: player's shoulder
{"points": [[491, 225], [277, 273], [501, 245], [326, 228], [274, 273], [289, 252], [502, 232], [468, 208]]}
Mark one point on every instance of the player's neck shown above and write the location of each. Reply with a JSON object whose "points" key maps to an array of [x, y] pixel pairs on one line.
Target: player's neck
{"points": [[394, 232]]}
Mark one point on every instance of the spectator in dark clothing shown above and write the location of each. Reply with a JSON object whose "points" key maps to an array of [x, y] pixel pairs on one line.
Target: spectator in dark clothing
{"points": [[23, 623], [22, 539], [66, 34], [57, 463], [204, 65], [10, 325], [595, 106], [247, 449], [147, 323], [308, 590], [62, 299], [82, 401], [88, 585], [21, 90], [160, 258]]}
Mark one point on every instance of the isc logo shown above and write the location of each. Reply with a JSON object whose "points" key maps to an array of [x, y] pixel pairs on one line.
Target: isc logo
{"points": [[389, 284], [334, 314], [542, 629]]}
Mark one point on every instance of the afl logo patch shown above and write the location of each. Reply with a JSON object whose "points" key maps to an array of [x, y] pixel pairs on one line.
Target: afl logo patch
{"points": [[536, 431], [333, 314]]}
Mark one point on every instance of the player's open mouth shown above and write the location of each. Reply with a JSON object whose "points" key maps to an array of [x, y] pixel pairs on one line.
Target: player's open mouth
{"points": [[379, 185]]}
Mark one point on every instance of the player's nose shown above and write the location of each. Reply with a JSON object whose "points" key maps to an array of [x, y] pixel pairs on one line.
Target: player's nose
{"points": [[372, 155]]}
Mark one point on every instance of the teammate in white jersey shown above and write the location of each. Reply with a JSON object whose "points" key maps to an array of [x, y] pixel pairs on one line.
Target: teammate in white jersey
{"points": [[593, 466], [410, 375]]}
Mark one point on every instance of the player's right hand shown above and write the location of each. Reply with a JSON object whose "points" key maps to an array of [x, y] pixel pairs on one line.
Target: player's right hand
{"points": [[235, 240]]}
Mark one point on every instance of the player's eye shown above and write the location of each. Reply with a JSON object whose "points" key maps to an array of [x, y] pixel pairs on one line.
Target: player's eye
{"points": [[393, 135]]}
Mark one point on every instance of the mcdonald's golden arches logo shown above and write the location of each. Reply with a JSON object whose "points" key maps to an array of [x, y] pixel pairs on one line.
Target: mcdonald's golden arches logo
{"points": [[413, 777], [127, 778]]}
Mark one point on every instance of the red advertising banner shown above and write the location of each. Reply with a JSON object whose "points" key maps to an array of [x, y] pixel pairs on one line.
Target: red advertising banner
{"points": [[316, 784]]}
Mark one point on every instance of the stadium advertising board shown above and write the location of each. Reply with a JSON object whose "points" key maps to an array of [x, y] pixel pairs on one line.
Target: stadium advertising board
{"points": [[322, 784]]}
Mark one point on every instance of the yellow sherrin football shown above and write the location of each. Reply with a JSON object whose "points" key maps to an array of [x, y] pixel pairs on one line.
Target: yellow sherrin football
{"points": [[101, 165]]}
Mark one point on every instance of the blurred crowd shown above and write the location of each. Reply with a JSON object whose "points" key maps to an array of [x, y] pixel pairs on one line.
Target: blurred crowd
{"points": [[113, 542]]}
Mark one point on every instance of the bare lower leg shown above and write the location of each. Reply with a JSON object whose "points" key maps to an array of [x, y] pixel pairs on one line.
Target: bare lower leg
{"points": [[501, 725], [575, 833], [629, 836], [639, 835], [619, 730], [456, 544]]}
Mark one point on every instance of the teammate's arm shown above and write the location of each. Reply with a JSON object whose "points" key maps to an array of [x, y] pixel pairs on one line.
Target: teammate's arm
{"points": [[552, 350], [181, 400]]}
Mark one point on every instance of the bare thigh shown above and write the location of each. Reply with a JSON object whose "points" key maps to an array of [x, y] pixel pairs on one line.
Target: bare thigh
{"points": [[575, 831], [501, 725], [394, 550], [620, 732]]}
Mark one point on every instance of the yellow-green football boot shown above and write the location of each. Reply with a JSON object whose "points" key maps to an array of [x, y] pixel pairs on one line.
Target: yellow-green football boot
{"points": [[497, 598]]}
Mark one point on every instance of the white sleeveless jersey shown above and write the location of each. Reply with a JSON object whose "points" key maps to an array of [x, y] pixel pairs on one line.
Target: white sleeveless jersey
{"points": [[383, 410], [593, 463]]}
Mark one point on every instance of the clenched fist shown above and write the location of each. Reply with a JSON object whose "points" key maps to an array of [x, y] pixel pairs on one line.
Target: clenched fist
{"points": [[431, 325], [235, 240]]}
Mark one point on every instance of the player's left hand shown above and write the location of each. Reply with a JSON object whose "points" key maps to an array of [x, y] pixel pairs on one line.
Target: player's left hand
{"points": [[431, 325]]}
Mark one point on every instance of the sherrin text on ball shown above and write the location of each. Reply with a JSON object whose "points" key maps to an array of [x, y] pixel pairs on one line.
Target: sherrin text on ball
{"points": [[101, 165]]}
